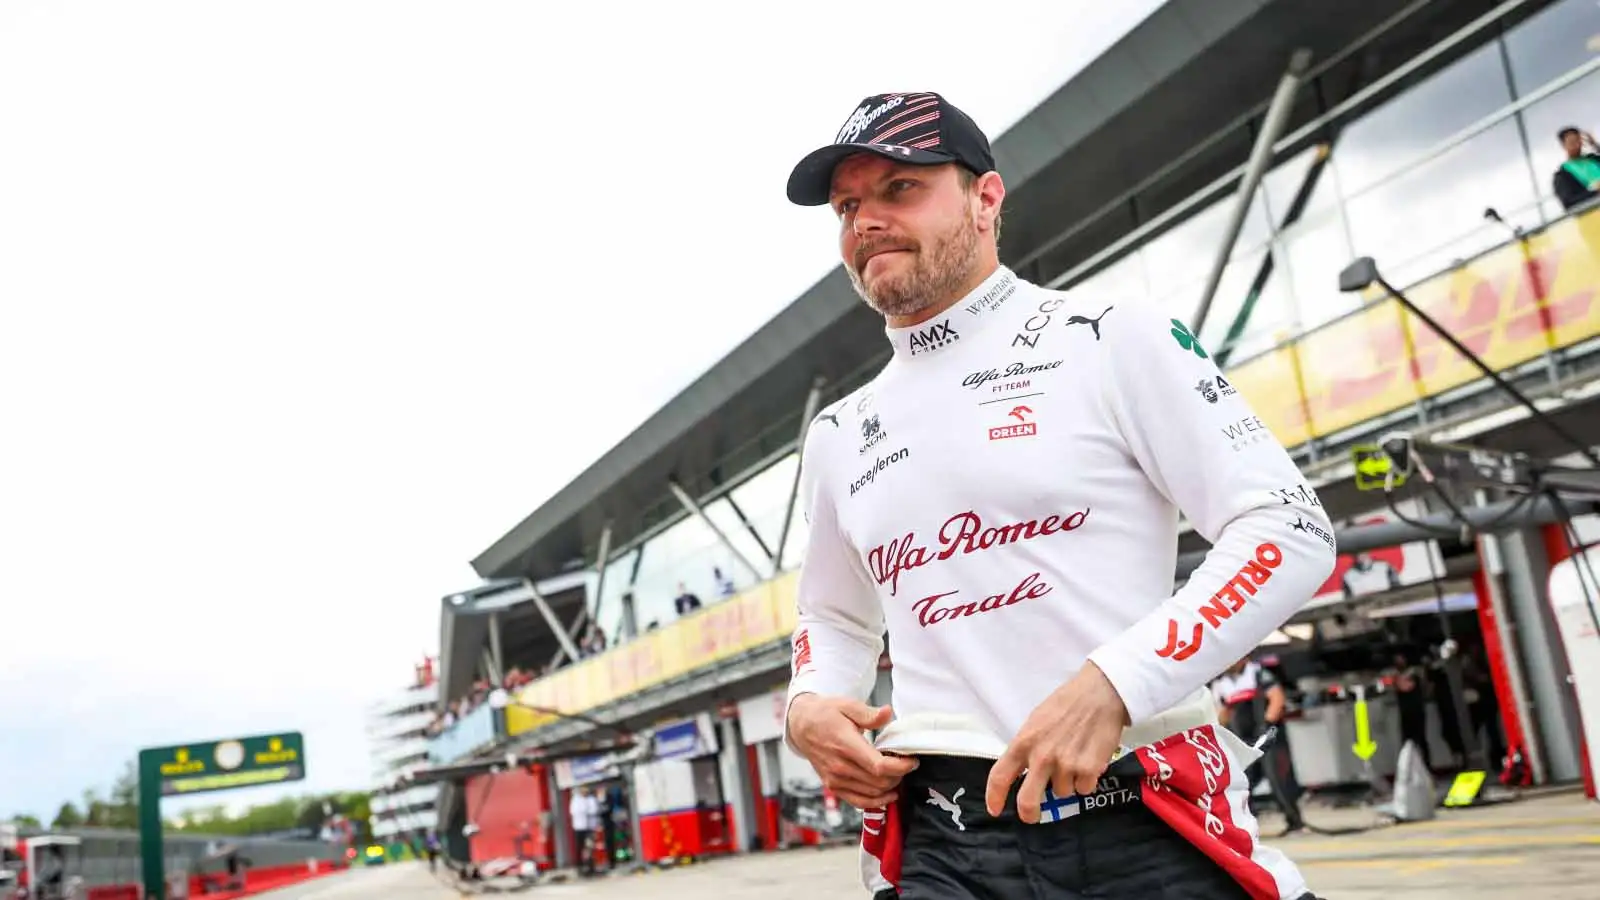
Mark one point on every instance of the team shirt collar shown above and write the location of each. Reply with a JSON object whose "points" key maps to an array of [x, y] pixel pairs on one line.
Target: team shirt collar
{"points": [[964, 318]]}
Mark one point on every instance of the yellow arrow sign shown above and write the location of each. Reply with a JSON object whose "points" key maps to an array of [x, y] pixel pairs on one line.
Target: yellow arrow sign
{"points": [[1364, 746], [1374, 468]]}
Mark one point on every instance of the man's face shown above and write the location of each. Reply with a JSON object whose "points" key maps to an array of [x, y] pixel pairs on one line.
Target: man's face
{"points": [[1572, 142], [908, 234]]}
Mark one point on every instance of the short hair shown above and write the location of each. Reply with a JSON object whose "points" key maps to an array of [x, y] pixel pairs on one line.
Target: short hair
{"points": [[968, 179], [1570, 129]]}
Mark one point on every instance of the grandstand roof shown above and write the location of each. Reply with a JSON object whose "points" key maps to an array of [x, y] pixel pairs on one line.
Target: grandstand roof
{"points": [[1147, 118]]}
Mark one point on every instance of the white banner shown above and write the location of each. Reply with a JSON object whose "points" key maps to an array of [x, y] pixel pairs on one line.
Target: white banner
{"points": [[761, 717]]}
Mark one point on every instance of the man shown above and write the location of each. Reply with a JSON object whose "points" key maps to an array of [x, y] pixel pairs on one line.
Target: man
{"points": [[686, 602], [1252, 701], [1369, 575], [1576, 181], [581, 809], [1004, 497]]}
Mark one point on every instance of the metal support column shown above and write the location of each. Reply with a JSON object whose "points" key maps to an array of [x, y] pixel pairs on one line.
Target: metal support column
{"points": [[750, 527], [813, 401], [630, 614], [601, 561], [497, 660], [694, 508], [1272, 125], [1555, 717], [490, 670], [560, 830], [550, 619], [737, 785]]}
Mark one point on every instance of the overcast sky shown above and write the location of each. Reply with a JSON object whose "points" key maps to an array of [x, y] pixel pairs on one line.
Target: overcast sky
{"points": [[306, 303]]}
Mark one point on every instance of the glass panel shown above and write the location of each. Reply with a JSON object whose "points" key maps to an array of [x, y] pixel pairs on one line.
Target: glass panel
{"points": [[1552, 43], [683, 554], [1313, 252], [1576, 104], [1398, 132], [1185, 254], [1280, 185], [608, 611], [1271, 314], [765, 497], [1417, 223]]}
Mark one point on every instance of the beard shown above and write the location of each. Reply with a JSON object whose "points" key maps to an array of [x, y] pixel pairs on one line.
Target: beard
{"points": [[936, 274]]}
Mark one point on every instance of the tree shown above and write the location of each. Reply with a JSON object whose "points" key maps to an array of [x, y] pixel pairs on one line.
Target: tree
{"points": [[68, 817], [123, 810], [23, 820]]}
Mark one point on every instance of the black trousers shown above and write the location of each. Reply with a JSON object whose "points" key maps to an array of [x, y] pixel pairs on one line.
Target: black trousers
{"points": [[1112, 848]]}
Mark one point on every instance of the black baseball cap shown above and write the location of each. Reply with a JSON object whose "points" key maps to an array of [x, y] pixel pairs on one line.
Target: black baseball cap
{"points": [[922, 129]]}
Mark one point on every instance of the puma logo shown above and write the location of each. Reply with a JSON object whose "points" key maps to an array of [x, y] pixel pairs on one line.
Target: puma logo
{"points": [[1094, 324], [831, 416], [951, 806]]}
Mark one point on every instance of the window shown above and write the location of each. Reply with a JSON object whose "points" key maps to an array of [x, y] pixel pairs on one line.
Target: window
{"points": [[1418, 223], [765, 498], [1395, 134], [1553, 43], [1576, 104], [685, 553], [608, 609], [1186, 253], [1270, 314], [1314, 252], [1280, 186]]}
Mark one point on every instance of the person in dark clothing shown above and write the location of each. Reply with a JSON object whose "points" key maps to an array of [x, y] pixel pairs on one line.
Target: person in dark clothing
{"points": [[1483, 707], [686, 602], [1577, 180], [1252, 700], [1411, 694]]}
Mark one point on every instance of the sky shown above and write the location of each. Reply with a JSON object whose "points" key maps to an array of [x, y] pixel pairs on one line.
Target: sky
{"points": [[304, 304]]}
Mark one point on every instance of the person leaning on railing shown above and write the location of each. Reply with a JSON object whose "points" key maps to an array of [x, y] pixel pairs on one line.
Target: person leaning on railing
{"points": [[1577, 180]]}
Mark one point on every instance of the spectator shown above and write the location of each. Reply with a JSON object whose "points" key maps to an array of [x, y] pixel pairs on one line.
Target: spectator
{"points": [[725, 587], [686, 601], [581, 809], [1578, 179]]}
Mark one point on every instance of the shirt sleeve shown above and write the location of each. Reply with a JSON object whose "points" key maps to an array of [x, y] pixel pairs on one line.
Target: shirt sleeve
{"points": [[1202, 446], [839, 635]]}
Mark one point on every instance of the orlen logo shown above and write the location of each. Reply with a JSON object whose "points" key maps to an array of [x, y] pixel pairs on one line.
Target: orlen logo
{"points": [[1224, 603], [802, 652], [1025, 428]]}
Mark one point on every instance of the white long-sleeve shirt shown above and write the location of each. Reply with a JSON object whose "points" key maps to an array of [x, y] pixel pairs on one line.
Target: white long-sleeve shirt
{"points": [[1005, 496]]}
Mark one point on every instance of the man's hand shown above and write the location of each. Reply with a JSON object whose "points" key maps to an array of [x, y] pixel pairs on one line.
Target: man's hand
{"points": [[1066, 743], [828, 733]]}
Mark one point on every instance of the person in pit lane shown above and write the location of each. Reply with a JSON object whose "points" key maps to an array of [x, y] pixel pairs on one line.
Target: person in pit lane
{"points": [[1004, 499]]}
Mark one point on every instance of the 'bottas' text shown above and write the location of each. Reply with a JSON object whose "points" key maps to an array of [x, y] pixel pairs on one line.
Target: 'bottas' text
{"points": [[961, 533]]}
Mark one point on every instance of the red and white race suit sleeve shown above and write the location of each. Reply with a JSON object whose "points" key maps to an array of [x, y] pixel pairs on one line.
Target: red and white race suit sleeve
{"points": [[1203, 447], [840, 633]]}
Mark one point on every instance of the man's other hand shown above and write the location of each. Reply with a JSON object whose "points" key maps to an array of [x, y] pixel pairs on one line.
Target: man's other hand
{"points": [[828, 733], [1066, 743]]}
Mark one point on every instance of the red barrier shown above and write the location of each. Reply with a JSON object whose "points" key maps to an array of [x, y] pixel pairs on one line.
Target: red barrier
{"points": [[255, 881]]}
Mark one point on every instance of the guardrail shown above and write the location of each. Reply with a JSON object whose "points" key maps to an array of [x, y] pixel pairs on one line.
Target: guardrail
{"points": [[470, 733]]}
